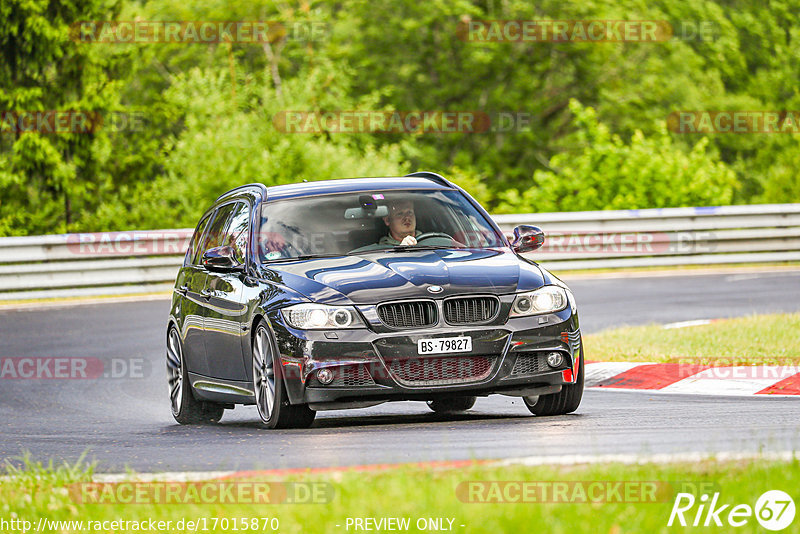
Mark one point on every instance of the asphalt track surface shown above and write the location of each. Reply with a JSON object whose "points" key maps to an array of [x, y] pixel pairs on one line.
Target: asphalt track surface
{"points": [[125, 422]]}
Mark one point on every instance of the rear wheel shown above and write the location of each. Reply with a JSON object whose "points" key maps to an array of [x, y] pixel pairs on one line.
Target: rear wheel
{"points": [[564, 402], [453, 405], [272, 400], [185, 408]]}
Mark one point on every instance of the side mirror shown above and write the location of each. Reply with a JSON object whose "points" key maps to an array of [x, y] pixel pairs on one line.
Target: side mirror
{"points": [[527, 238], [220, 259]]}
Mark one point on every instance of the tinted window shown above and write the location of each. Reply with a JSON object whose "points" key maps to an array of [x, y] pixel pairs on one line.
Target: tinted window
{"points": [[352, 223], [237, 235], [198, 233], [215, 233]]}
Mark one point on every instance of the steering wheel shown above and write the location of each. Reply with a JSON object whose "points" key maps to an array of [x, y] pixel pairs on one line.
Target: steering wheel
{"points": [[429, 235], [286, 250]]}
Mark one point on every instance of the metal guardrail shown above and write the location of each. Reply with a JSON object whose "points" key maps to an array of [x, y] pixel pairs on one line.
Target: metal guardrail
{"points": [[665, 237], [147, 261]]}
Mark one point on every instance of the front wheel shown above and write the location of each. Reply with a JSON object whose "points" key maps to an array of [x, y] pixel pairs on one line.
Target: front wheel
{"points": [[564, 402], [185, 408], [272, 400]]}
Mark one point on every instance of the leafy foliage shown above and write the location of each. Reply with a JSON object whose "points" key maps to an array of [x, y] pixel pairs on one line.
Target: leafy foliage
{"points": [[46, 179], [608, 173], [589, 132]]}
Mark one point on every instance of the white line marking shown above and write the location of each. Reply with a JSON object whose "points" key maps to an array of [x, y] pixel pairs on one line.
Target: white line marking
{"points": [[179, 476], [571, 459], [685, 324], [706, 393]]}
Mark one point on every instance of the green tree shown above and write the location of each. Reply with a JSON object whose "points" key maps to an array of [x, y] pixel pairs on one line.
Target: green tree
{"points": [[48, 181], [230, 138], [608, 173], [209, 108]]}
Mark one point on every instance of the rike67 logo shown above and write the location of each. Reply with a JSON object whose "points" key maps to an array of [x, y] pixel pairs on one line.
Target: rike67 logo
{"points": [[774, 510]]}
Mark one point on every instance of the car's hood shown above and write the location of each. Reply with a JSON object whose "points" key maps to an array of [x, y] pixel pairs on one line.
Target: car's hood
{"points": [[379, 276]]}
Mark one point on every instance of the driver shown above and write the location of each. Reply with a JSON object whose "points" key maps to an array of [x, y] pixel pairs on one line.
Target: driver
{"points": [[402, 223]]}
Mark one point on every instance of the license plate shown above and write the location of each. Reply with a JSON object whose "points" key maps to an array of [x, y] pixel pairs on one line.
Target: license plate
{"points": [[444, 345]]}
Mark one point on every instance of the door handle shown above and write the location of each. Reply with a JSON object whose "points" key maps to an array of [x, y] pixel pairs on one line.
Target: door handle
{"points": [[208, 293], [183, 290]]}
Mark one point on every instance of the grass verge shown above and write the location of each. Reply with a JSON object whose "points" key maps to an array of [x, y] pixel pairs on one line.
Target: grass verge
{"points": [[641, 499], [757, 339]]}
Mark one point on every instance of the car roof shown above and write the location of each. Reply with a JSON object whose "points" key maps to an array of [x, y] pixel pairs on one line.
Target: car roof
{"points": [[351, 185]]}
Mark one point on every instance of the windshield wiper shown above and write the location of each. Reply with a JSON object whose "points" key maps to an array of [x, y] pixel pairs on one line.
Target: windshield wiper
{"points": [[368, 251], [406, 248], [303, 257]]}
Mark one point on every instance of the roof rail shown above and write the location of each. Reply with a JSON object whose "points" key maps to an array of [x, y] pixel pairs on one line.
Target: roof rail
{"points": [[260, 187], [438, 178]]}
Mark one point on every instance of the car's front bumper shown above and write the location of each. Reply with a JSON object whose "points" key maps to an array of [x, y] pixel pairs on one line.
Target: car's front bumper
{"points": [[370, 366]]}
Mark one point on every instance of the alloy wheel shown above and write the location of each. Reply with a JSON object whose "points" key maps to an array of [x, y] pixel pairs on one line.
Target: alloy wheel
{"points": [[174, 371], [263, 374]]}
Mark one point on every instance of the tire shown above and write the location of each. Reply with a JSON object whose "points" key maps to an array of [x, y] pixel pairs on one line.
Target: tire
{"points": [[453, 405], [564, 402], [185, 408], [272, 401]]}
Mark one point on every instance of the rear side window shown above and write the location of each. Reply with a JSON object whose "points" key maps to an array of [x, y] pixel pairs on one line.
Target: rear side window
{"points": [[237, 235], [198, 233], [215, 231]]}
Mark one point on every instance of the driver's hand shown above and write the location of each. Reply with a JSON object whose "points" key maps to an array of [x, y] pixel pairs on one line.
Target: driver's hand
{"points": [[408, 240]]}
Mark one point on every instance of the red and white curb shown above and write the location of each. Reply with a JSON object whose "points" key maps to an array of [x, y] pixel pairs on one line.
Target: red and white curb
{"points": [[772, 380]]}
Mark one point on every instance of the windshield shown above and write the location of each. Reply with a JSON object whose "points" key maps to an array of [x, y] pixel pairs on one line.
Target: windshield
{"points": [[356, 223]]}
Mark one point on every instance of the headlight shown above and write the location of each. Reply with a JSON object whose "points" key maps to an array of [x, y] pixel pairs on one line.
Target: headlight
{"points": [[546, 299], [573, 305], [319, 316]]}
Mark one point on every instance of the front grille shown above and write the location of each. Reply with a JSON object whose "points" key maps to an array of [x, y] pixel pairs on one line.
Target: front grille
{"points": [[352, 375], [414, 314], [470, 310], [439, 371], [529, 364]]}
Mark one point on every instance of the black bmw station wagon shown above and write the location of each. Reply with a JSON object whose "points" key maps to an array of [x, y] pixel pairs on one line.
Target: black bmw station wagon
{"points": [[350, 293]]}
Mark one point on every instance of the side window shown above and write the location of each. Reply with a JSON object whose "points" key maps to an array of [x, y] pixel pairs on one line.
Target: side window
{"points": [[198, 233], [237, 234], [215, 232]]}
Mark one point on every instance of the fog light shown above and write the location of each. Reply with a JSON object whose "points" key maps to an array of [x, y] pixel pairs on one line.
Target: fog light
{"points": [[555, 359], [325, 376]]}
